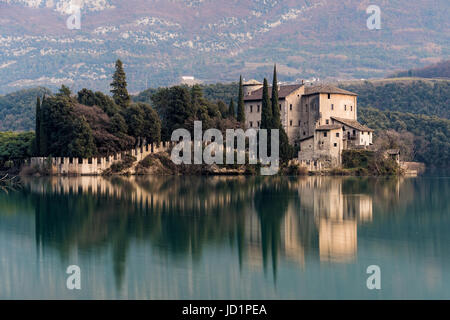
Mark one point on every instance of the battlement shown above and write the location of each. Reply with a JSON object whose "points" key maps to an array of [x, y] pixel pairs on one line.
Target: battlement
{"points": [[95, 165]]}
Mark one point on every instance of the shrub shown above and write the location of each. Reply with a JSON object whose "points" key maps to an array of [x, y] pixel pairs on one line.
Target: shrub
{"points": [[126, 163]]}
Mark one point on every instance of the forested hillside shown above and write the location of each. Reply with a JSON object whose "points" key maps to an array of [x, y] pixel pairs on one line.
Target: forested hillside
{"points": [[17, 109], [418, 97], [431, 142]]}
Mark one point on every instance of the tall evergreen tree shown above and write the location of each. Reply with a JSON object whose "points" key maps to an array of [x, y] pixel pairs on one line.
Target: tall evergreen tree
{"points": [[266, 109], [38, 127], [81, 142], [64, 91], [119, 86], [240, 108], [43, 138], [276, 120], [174, 106], [286, 150], [222, 108], [231, 109]]}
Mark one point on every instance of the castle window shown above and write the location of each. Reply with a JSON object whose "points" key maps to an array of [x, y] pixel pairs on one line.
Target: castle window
{"points": [[290, 107], [332, 106], [345, 107], [304, 133], [299, 123], [329, 96], [327, 121], [335, 144], [351, 108], [290, 123], [337, 135], [280, 106], [251, 108], [324, 134], [354, 132], [258, 107], [251, 124]]}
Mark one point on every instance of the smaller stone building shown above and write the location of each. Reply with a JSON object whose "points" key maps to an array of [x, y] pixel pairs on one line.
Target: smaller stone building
{"points": [[355, 134], [323, 149]]}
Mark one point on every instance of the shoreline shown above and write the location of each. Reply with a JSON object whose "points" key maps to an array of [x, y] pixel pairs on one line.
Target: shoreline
{"points": [[160, 164]]}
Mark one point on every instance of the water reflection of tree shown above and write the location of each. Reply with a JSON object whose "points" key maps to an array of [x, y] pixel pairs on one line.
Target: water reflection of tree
{"points": [[88, 221], [190, 213], [271, 202]]}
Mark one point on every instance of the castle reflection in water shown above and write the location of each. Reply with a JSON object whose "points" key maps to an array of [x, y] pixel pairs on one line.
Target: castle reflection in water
{"points": [[265, 218]]}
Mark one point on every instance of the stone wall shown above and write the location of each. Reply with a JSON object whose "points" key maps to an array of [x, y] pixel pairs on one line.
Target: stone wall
{"points": [[95, 165]]}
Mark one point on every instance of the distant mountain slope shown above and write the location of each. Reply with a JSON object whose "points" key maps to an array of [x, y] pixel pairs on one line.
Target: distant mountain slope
{"points": [[214, 40], [404, 95], [17, 109], [437, 70]]}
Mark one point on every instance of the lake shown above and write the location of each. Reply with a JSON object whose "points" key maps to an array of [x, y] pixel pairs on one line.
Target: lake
{"points": [[226, 237]]}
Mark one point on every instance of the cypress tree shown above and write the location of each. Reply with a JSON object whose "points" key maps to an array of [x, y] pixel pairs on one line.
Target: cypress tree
{"points": [[266, 109], [37, 129], [119, 86], [240, 109], [276, 120], [286, 150], [231, 109], [43, 139]]}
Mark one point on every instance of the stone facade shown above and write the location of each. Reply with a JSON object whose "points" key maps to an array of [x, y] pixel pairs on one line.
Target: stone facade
{"points": [[355, 134], [289, 100], [318, 108], [302, 107], [322, 150], [321, 120]]}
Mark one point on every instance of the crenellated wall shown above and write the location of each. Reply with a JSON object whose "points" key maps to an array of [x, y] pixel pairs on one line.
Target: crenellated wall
{"points": [[95, 165]]}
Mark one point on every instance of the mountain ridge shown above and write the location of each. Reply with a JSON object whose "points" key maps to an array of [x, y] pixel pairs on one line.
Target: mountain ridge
{"points": [[215, 41]]}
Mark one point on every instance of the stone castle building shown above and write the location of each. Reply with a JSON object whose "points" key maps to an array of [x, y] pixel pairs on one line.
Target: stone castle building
{"points": [[320, 119]]}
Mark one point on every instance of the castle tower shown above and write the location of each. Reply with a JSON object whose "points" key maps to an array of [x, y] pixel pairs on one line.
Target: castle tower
{"points": [[250, 86]]}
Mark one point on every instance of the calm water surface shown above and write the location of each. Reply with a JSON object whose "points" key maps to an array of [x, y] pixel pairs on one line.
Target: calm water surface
{"points": [[226, 238]]}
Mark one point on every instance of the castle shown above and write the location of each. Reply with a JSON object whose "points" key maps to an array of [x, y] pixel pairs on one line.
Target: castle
{"points": [[319, 119]]}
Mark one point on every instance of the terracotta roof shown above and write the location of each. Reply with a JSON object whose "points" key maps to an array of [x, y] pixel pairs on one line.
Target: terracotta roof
{"points": [[328, 127], [352, 123], [326, 89], [283, 92]]}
